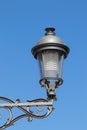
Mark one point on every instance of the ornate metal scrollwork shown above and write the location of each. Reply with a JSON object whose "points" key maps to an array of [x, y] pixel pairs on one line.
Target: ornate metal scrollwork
{"points": [[38, 108]]}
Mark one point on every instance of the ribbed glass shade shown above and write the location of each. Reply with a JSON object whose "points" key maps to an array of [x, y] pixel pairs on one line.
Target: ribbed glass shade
{"points": [[50, 63]]}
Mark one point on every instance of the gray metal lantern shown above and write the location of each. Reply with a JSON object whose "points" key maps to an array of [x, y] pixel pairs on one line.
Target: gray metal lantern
{"points": [[50, 52]]}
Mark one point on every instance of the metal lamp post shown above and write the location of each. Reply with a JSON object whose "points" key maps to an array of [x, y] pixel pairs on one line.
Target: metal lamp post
{"points": [[50, 52]]}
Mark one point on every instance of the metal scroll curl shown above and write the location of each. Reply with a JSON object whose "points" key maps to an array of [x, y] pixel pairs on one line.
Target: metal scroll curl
{"points": [[30, 111]]}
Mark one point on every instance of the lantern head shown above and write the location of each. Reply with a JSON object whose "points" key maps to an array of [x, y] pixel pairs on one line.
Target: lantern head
{"points": [[50, 52]]}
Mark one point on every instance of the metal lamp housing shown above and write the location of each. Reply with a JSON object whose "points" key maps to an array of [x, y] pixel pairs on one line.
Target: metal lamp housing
{"points": [[50, 52]]}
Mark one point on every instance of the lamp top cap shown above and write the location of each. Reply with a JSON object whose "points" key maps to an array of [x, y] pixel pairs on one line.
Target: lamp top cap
{"points": [[50, 31], [50, 37]]}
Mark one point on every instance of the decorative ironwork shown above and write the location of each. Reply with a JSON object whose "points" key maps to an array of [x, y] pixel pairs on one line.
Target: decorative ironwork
{"points": [[38, 108]]}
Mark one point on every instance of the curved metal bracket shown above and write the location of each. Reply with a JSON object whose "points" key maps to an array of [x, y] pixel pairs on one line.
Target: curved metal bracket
{"points": [[38, 108]]}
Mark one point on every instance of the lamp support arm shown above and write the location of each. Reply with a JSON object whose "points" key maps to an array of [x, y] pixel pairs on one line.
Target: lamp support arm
{"points": [[38, 108]]}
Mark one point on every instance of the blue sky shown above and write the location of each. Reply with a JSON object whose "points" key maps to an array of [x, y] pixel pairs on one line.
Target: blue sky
{"points": [[22, 24]]}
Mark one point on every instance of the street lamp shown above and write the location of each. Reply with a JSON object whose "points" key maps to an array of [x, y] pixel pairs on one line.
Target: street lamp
{"points": [[50, 52]]}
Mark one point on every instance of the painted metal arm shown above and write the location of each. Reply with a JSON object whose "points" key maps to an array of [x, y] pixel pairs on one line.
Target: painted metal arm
{"points": [[38, 108]]}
